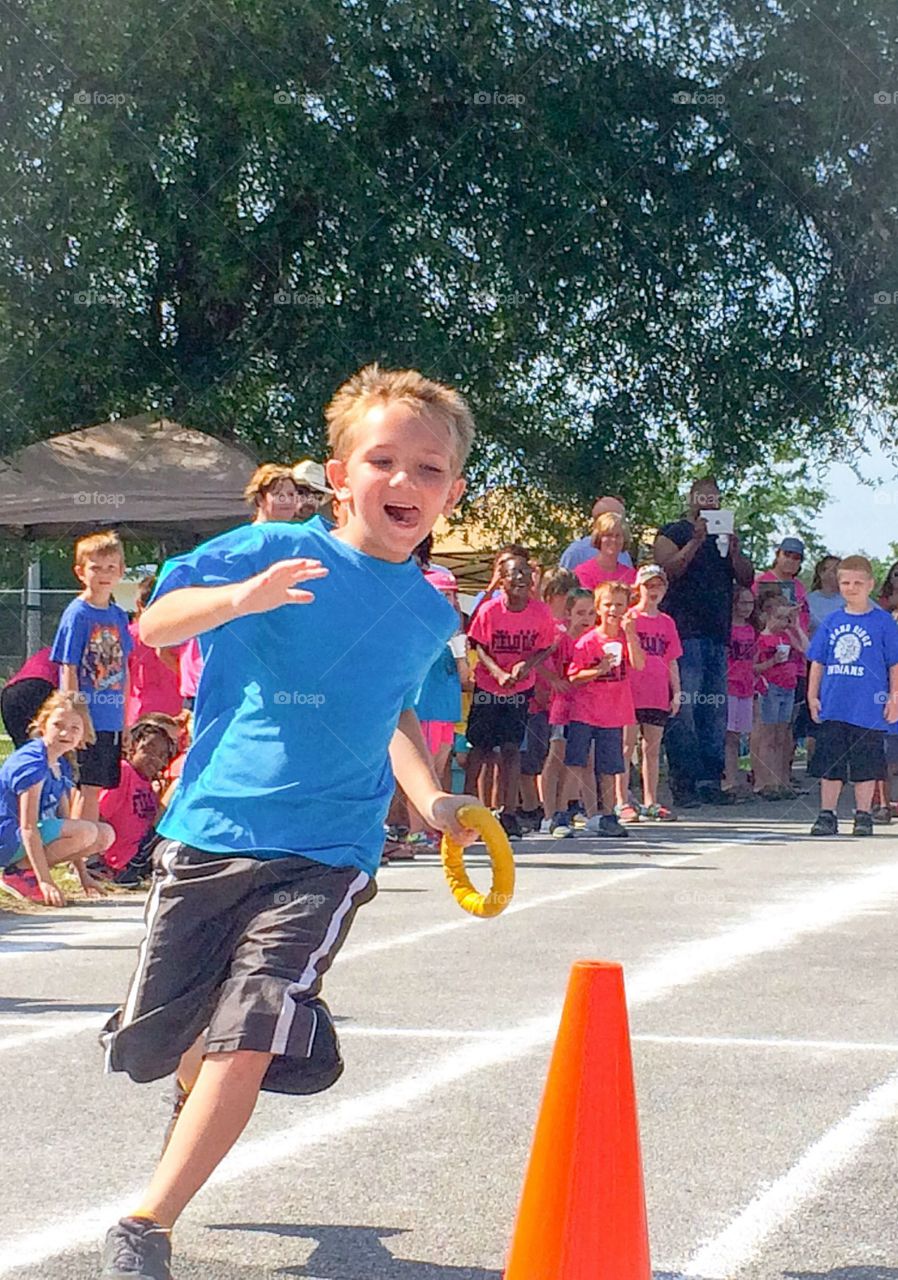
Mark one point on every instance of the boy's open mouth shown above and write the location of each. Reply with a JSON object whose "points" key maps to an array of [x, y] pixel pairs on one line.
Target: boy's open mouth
{"points": [[406, 517]]}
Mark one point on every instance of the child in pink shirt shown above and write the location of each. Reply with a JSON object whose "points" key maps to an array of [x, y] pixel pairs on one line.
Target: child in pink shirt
{"points": [[656, 690], [190, 664], [741, 654], [131, 807], [153, 683], [782, 644], [580, 615], [510, 634], [555, 587], [602, 703]]}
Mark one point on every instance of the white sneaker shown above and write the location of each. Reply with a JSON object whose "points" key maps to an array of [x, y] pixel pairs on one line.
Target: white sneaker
{"points": [[545, 827]]}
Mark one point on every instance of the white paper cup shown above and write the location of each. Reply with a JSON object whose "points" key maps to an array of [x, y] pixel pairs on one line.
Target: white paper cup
{"points": [[615, 651]]}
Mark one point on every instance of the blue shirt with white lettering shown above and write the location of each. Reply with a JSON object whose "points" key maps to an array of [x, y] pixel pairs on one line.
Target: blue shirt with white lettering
{"points": [[856, 651], [297, 706]]}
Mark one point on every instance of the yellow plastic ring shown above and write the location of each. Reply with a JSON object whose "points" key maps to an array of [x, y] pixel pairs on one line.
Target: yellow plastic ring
{"points": [[499, 850]]}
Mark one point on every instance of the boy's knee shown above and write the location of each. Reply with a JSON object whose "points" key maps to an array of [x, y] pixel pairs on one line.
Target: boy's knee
{"points": [[105, 836]]}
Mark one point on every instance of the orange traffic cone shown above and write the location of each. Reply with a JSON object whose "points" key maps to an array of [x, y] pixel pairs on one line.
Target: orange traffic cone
{"points": [[582, 1211]]}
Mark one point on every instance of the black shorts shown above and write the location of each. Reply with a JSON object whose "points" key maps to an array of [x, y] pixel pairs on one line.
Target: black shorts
{"points": [[20, 703], [652, 715], [237, 947], [100, 765], [845, 753], [536, 744], [497, 720]]}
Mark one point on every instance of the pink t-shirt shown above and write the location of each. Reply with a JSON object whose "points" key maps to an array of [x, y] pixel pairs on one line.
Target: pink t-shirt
{"points": [[785, 674], [591, 574], [510, 637], [542, 690], [560, 703], [796, 593], [606, 702], [152, 685], [130, 809], [190, 661], [741, 652], [660, 642], [38, 667]]}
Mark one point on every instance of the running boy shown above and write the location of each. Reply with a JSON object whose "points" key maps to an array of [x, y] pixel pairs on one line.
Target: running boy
{"points": [[275, 831], [510, 634], [36, 828], [853, 696], [656, 689], [92, 646]]}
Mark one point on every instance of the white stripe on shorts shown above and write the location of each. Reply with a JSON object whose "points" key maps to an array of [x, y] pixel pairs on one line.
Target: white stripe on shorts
{"points": [[152, 910], [309, 974]]}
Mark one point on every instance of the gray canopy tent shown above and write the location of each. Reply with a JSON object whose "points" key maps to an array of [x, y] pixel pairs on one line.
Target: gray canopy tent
{"points": [[147, 477]]}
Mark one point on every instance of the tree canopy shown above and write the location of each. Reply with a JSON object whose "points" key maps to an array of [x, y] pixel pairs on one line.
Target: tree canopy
{"points": [[640, 239]]}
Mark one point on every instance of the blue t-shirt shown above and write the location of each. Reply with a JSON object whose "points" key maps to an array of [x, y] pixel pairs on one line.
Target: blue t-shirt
{"points": [[297, 706], [856, 650], [97, 642], [440, 694], [19, 773]]}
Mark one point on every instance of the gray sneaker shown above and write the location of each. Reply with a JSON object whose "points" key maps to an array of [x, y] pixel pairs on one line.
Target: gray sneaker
{"points": [[136, 1249]]}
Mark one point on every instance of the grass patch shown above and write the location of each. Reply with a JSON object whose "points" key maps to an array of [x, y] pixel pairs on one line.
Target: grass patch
{"points": [[70, 885]]}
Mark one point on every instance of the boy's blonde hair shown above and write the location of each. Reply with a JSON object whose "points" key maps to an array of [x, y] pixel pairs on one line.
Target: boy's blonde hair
{"points": [[610, 589], [557, 582], [373, 386], [856, 564], [106, 543], [263, 478], [59, 700], [609, 522]]}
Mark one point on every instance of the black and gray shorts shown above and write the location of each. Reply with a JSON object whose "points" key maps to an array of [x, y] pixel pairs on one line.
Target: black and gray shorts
{"points": [[237, 947]]}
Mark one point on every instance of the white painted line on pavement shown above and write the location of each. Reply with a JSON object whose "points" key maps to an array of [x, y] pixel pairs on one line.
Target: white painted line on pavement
{"points": [[745, 1237], [64, 937], [417, 1033], [55, 1030], [771, 1042], [770, 930]]}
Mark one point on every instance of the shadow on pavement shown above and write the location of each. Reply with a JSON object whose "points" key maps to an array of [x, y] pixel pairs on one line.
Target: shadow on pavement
{"points": [[865, 1272], [24, 1004], [355, 1253]]}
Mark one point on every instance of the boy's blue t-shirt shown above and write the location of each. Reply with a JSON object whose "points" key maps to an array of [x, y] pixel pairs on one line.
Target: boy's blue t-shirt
{"points": [[97, 642], [439, 697], [856, 651], [19, 773], [297, 706]]}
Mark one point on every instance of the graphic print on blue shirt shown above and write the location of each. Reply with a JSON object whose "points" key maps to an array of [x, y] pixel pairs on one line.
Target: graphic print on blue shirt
{"points": [[18, 774], [97, 642], [297, 706], [856, 651]]}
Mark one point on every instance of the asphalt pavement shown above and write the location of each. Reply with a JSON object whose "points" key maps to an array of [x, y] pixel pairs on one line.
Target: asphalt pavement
{"points": [[762, 982]]}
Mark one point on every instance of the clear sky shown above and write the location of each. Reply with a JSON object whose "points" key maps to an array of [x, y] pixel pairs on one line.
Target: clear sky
{"points": [[860, 516]]}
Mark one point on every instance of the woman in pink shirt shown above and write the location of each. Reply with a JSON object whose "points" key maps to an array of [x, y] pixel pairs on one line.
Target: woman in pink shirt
{"points": [[26, 692], [609, 533]]}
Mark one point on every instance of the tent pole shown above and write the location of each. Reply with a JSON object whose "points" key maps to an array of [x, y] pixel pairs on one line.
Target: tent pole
{"points": [[33, 604]]}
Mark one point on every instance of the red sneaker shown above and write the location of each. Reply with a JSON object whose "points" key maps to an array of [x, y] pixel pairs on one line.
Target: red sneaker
{"points": [[22, 883]]}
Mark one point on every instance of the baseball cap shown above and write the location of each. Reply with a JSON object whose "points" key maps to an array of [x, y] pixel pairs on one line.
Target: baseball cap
{"points": [[795, 545], [646, 572], [312, 474], [442, 579]]}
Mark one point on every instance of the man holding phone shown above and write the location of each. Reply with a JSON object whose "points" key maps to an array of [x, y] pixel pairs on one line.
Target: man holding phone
{"points": [[700, 601]]}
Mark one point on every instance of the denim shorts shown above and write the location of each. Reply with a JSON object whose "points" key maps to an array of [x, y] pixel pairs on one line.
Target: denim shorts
{"points": [[777, 704]]}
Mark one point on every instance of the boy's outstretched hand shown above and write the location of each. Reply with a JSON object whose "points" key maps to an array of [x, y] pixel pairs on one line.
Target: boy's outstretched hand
{"points": [[443, 810], [276, 585]]}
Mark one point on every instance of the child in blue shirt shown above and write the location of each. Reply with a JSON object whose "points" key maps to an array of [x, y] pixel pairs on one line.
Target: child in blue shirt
{"points": [[36, 783], [275, 832], [853, 696], [92, 645]]}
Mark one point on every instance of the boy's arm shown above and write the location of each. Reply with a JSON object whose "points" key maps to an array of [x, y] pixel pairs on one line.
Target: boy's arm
{"points": [[413, 768], [634, 649], [190, 611], [500, 676], [891, 709], [673, 668], [526, 665], [815, 675], [29, 814], [68, 677]]}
